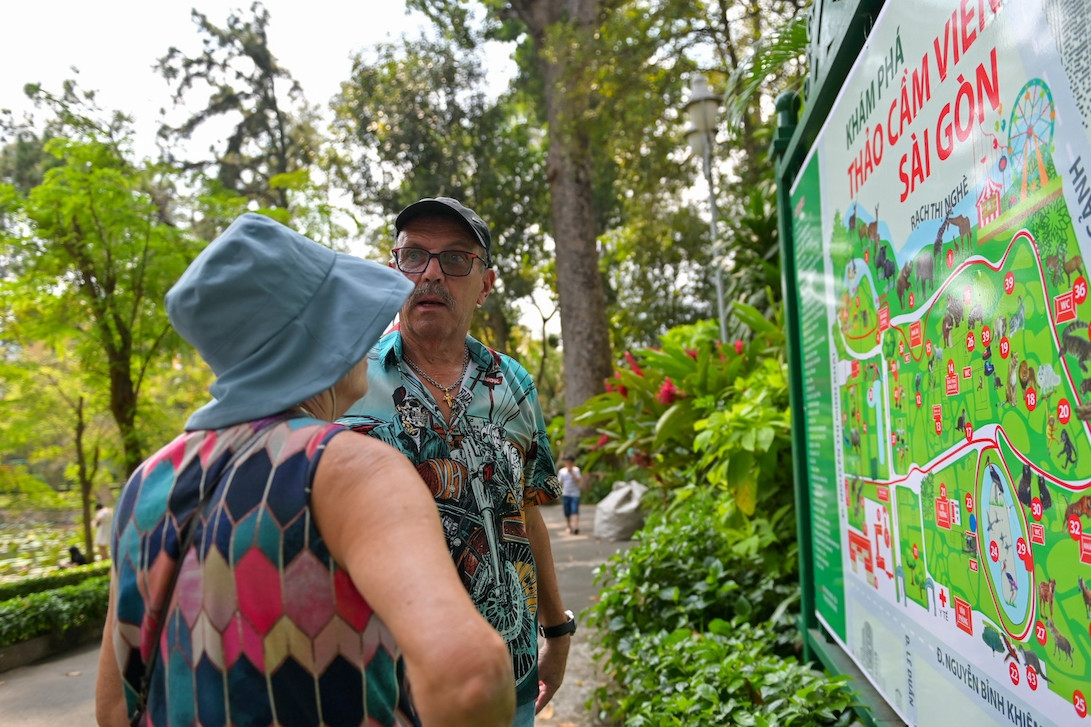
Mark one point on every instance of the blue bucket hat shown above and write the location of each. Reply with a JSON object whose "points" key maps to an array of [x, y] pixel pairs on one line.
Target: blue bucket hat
{"points": [[278, 317]]}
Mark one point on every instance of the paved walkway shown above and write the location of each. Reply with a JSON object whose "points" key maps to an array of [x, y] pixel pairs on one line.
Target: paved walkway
{"points": [[61, 690]]}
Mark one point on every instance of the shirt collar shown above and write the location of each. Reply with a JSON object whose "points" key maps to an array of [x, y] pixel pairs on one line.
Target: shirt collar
{"points": [[391, 352]]}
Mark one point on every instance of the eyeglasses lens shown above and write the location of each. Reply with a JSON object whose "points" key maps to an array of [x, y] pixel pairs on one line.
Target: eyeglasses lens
{"points": [[451, 262]]}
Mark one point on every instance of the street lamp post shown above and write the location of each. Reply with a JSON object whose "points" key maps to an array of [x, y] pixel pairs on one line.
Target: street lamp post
{"points": [[702, 108]]}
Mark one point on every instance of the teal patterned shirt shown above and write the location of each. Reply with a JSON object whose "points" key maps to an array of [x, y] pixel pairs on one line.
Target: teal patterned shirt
{"points": [[492, 462]]}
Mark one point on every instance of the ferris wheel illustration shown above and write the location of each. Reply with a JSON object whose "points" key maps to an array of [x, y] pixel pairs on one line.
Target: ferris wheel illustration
{"points": [[1030, 135]]}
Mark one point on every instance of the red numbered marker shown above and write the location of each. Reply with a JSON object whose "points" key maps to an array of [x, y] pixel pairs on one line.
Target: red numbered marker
{"points": [[994, 551], [867, 253], [912, 299], [969, 432], [1040, 632], [1064, 411], [916, 552], [918, 400], [970, 341], [969, 500], [1036, 508], [1013, 672], [943, 490], [986, 336], [1079, 290], [950, 367], [1032, 679], [1075, 527], [950, 258], [1021, 548], [1079, 703], [928, 347], [1030, 396], [1005, 347], [1009, 283]]}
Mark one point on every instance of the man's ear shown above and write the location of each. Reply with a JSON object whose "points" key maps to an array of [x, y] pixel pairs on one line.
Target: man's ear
{"points": [[487, 281]]}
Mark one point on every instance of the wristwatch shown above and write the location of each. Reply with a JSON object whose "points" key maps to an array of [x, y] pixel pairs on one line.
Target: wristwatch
{"points": [[553, 632]]}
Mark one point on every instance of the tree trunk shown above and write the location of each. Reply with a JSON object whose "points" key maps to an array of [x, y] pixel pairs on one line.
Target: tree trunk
{"points": [[123, 408], [85, 482], [584, 326]]}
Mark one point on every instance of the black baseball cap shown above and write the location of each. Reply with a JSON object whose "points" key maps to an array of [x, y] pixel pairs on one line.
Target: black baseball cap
{"points": [[448, 207]]}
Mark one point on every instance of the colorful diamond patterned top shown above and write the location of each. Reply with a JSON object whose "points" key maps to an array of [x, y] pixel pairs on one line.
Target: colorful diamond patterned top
{"points": [[263, 627]]}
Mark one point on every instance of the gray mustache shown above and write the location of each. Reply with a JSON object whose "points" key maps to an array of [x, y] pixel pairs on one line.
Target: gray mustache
{"points": [[431, 290]]}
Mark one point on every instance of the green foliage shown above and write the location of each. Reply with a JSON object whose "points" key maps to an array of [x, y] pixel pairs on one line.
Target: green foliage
{"points": [[272, 142], [55, 611], [92, 256], [725, 676], [415, 120], [66, 577], [695, 563], [696, 622], [29, 490], [702, 411]]}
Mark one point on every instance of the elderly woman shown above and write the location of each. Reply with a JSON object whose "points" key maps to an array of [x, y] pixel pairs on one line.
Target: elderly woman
{"points": [[270, 567]]}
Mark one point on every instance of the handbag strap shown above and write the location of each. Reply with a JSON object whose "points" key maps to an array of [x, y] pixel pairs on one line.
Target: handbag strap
{"points": [[186, 540]]}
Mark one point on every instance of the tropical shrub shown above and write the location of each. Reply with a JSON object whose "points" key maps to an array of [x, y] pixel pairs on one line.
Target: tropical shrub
{"points": [[697, 622], [696, 410]]}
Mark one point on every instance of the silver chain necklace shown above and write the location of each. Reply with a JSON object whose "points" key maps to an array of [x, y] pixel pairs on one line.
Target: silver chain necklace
{"points": [[445, 389]]}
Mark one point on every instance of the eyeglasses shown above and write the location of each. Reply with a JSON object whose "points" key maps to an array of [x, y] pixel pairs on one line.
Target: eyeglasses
{"points": [[414, 260]]}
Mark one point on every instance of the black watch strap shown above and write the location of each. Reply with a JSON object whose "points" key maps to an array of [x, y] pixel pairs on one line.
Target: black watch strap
{"points": [[553, 632]]}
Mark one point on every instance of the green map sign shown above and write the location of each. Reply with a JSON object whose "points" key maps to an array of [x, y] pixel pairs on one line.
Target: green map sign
{"points": [[940, 228]]}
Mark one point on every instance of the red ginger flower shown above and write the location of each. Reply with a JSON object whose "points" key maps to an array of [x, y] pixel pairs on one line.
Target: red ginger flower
{"points": [[738, 347], [668, 392], [602, 442], [621, 388], [632, 362]]}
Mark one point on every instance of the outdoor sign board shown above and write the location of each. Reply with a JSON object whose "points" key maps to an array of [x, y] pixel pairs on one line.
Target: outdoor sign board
{"points": [[940, 241]]}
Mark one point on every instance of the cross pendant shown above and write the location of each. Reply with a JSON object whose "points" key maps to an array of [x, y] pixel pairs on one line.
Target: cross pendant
{"points": [[447, 396]]}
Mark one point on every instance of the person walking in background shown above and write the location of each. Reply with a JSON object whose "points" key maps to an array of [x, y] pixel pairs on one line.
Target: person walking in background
{"points": [[103, 525], [469, 419], [573, 484], [310, 565]]}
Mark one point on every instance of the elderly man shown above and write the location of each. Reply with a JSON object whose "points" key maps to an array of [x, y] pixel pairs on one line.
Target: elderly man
{"points": [[469, 419]]}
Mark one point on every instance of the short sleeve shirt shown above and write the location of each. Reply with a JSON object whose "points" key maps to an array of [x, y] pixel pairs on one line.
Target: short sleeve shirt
{"points": [[483, 470], [569, 478]]}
